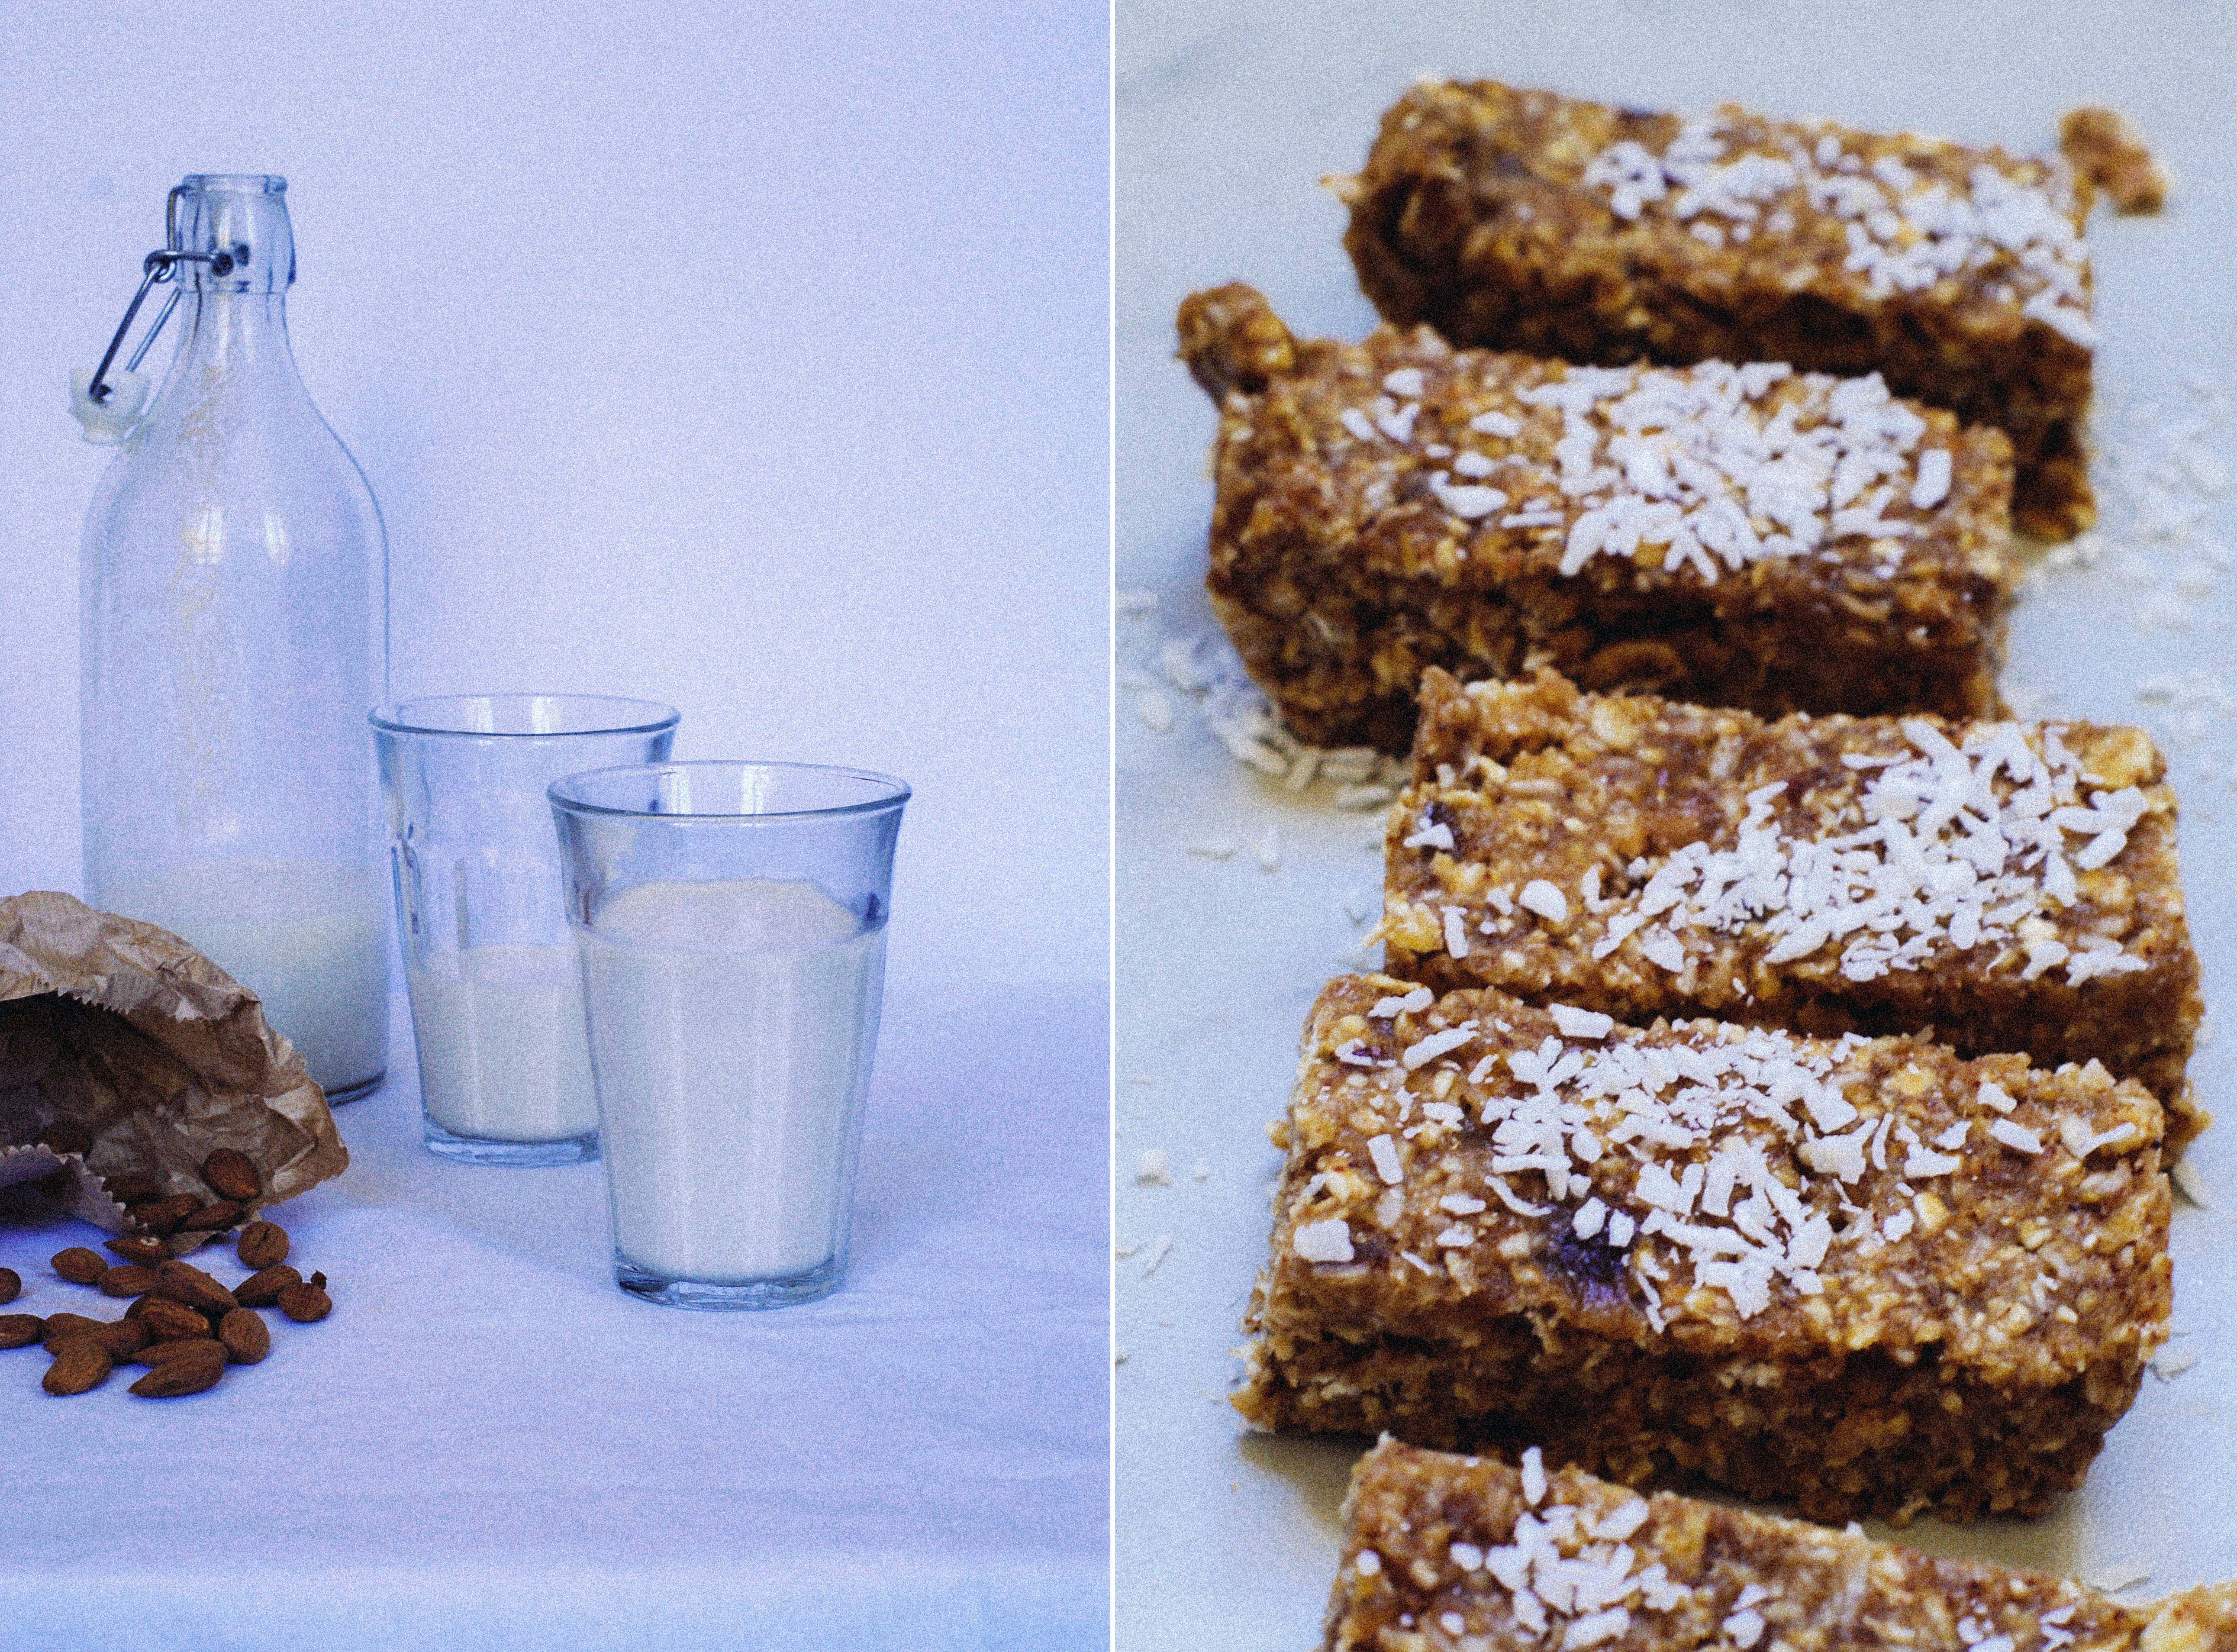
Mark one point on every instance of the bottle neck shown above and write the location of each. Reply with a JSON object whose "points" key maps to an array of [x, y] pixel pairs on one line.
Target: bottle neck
{"points": [[244, 218], [234, 332]]}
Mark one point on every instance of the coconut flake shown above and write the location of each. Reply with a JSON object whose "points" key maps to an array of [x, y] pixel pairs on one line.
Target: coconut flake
{"points": [[2018, 1138], [1580, 1023], [1594, 1628], [1324, 1241], [1412, 1003], [1542, 898], [1743, 1628], [1923, 1162], [1426, 1050]]}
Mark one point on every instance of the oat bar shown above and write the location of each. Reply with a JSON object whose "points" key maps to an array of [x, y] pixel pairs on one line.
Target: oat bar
{"points": [[1865, 1277], [1525, 220], [1452, 1554], [1732, 535], [2011, 885]]}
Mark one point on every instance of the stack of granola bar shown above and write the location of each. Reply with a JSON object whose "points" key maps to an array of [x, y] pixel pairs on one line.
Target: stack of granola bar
{"points": [[1778, 1057]]}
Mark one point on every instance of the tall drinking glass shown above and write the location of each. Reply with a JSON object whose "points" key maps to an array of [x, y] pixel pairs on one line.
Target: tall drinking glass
{"points": [[497, 999], [731, 923]]}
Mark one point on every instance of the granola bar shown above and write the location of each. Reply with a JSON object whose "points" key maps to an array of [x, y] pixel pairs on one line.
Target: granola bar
{"points": [[1452, 1554], [2012, 886], [1863, 1276], [1732, 535], [1525, 220]]}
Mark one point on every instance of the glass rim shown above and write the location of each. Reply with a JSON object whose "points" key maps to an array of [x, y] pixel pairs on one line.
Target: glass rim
{"points": [[896, 793], [644, 716], [270, 183]]}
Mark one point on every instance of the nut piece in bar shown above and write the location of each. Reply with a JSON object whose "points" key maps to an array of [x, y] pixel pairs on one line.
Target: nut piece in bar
{"points": [[1731, 535], [1452, 1553], [1526, 220], [1864, 1277], [2011, 885]]}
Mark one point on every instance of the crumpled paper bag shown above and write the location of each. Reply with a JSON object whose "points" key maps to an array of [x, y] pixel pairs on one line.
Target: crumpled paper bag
{"points": [[125, 1053]]}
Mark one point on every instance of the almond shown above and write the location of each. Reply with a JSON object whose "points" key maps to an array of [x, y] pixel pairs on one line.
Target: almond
{"points": [[308, 1302], [233, 1174], [263, 1290], [12, 1284], [21, 1329], [183, 1282], [133, 1247], [261, 1244], [65, 1135], [79, 1365], [80, 1266], [121, 1337], [163, 1215], [66, 1327], [166, 1318], [132, 1190], [162, 1353], [127, 1279], [247, 1337], [189, 1373], [212, 1218]]}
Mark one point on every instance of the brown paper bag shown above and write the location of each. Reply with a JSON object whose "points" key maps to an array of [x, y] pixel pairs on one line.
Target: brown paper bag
{"points": [[125, 1054]]}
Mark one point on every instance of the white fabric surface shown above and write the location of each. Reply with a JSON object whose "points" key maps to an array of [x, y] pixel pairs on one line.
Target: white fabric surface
{"points": [[488, 1445]]}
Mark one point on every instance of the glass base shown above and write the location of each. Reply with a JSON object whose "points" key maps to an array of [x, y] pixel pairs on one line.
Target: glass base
{"points": [[476, 1150], [818, 1281], [351, 1092]]}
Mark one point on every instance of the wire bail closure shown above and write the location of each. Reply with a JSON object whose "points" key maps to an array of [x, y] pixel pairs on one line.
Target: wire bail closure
{"points": [[157, 268]]}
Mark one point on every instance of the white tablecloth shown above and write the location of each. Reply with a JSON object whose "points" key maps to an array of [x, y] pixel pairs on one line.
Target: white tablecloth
{"points": [[488, 1445]]}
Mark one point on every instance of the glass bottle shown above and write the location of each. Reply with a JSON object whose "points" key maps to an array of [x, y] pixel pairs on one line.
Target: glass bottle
{"points": [[233, 632]]}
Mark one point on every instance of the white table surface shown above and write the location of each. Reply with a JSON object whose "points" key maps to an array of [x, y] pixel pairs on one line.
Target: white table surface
{"points": [[1228, 113], [488, 1445]]}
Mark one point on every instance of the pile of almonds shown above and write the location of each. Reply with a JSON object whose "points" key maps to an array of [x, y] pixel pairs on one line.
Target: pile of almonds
{"points": [[231, 1175], [183, 1324]]}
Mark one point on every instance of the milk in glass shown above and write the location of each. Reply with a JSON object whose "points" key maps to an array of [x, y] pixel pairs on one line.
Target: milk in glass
{"points": [[731, 1025], [502, 1056]]}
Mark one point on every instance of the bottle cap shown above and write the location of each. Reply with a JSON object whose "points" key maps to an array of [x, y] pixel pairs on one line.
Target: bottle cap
{"points": [[109, 421]]}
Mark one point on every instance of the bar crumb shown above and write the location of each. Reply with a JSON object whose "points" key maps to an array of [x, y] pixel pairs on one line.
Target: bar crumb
{"points": [[2105, 147]]}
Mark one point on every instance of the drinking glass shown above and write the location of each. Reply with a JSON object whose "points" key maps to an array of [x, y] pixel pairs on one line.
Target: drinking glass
{"points": [[731, 922], [497, 1002]]}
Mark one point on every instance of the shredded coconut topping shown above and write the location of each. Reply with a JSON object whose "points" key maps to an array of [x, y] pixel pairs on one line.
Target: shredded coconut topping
{"points": [[1683, 461], [1561, 1571], [1956, 849], [1740, 1221], [1906, 231], [1703, 463], [1743, 1155]]}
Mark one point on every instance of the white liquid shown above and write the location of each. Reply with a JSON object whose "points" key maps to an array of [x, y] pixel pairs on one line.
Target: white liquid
{"points": [[311, 940], [731, 1027], [502, 1056]]}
